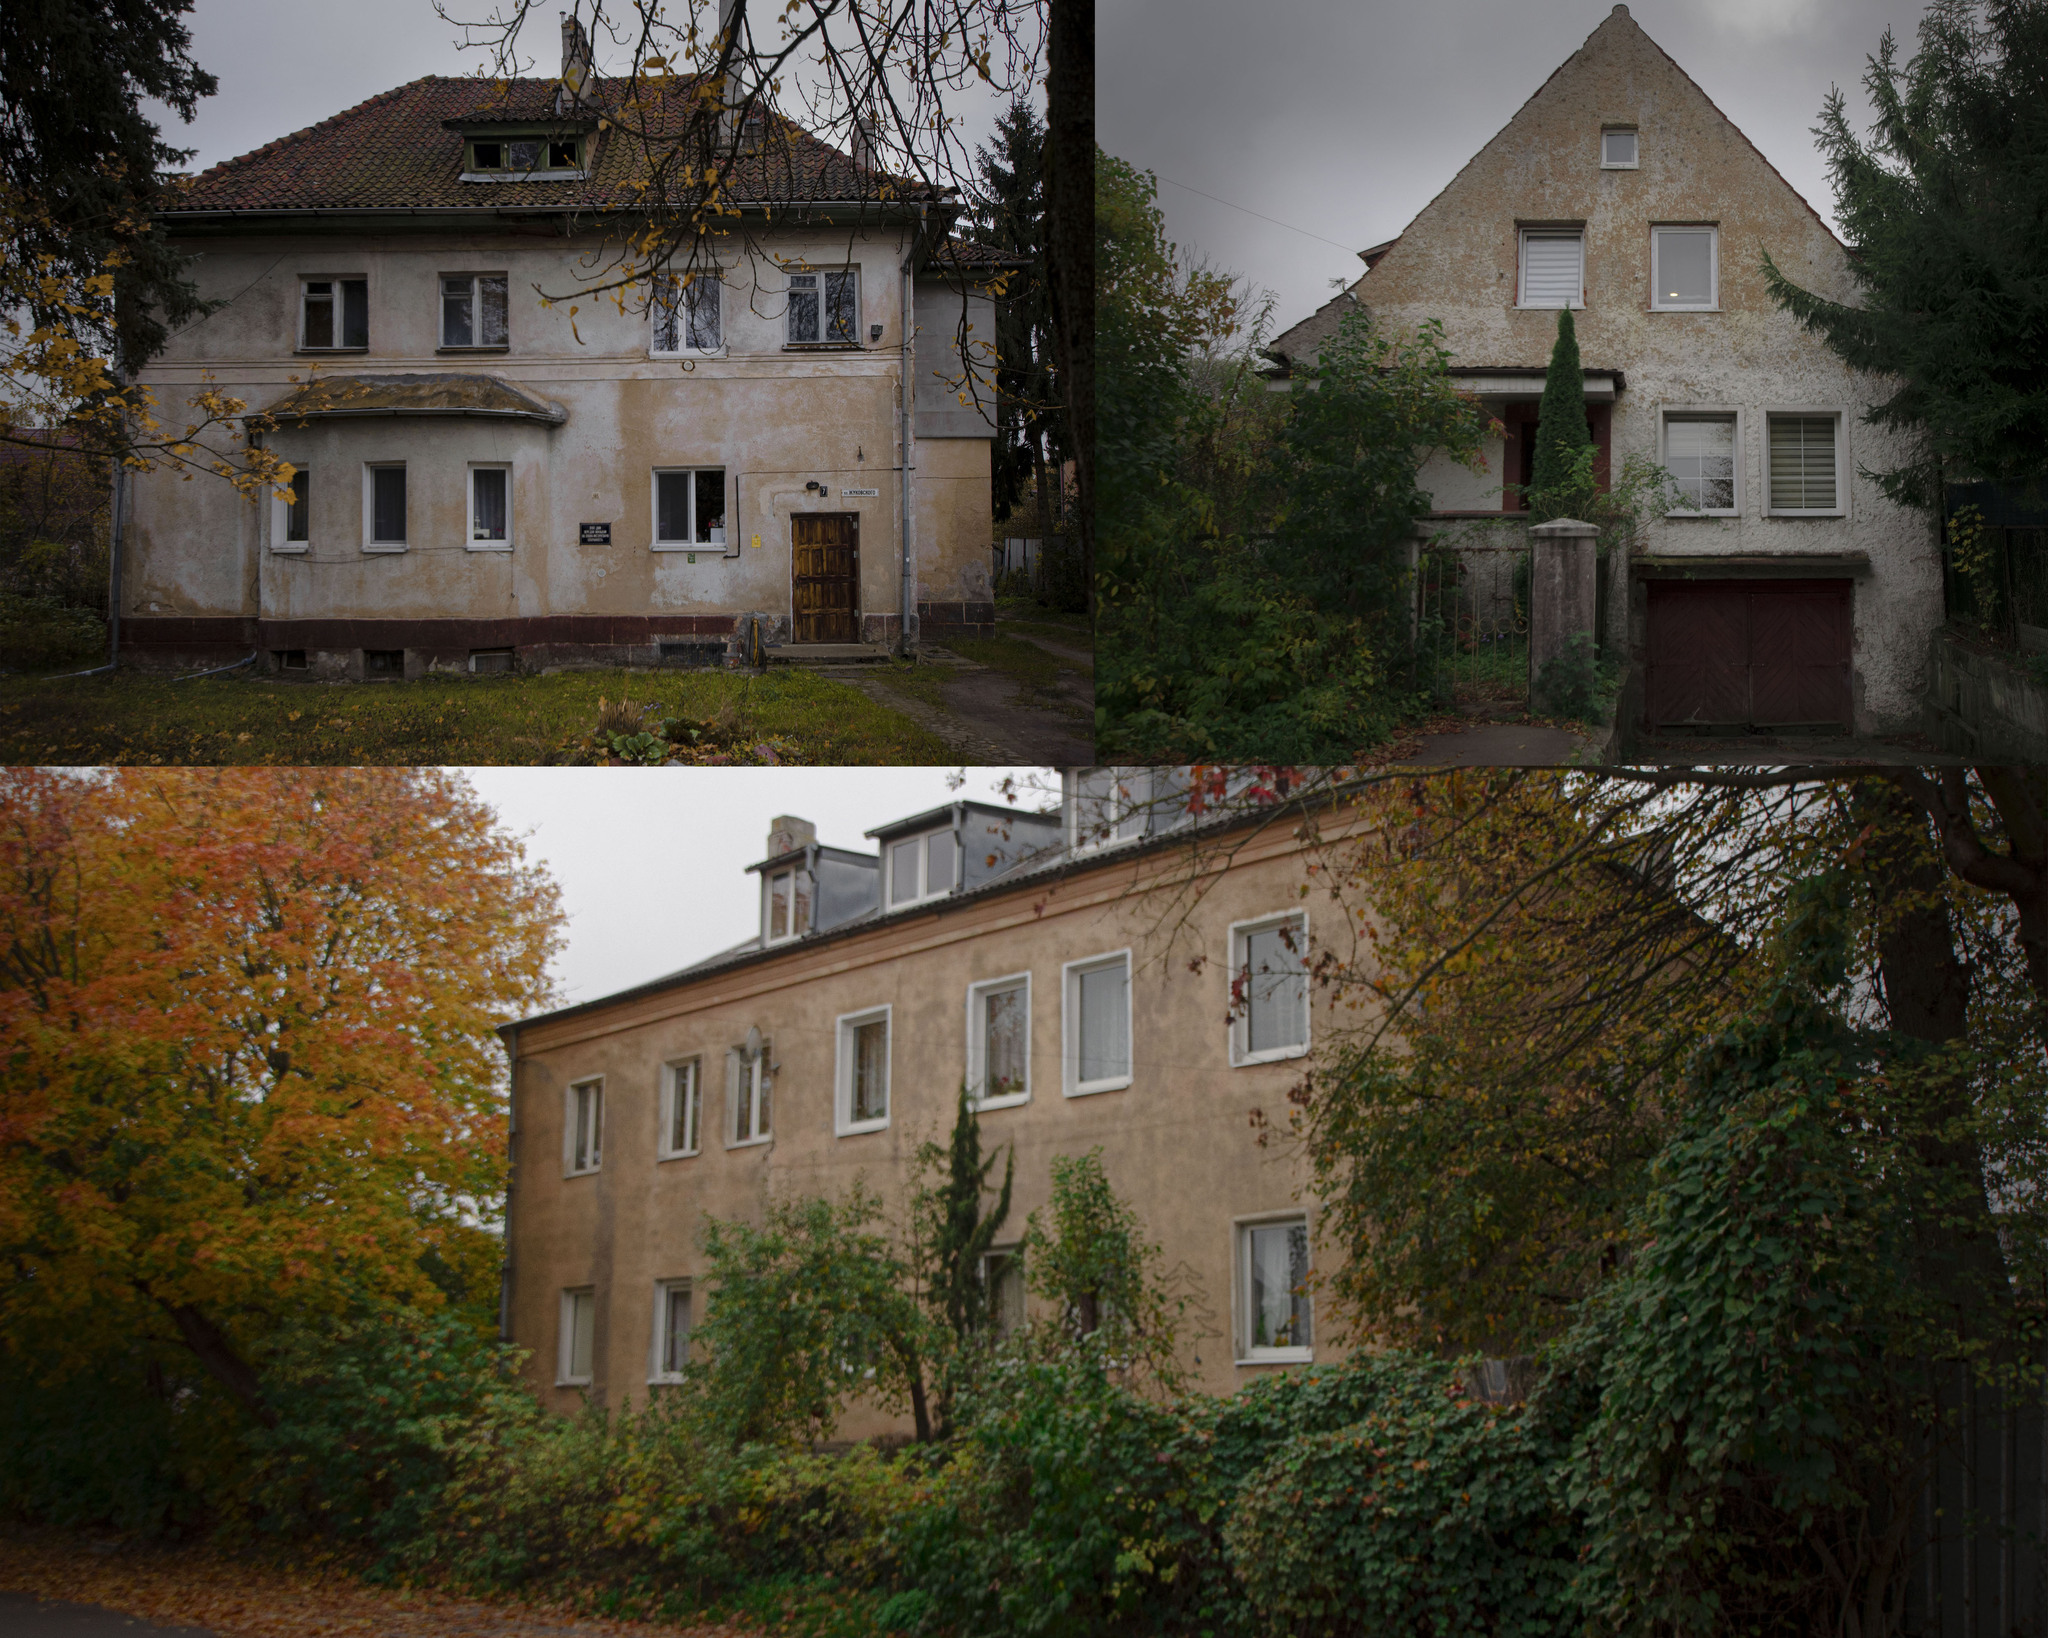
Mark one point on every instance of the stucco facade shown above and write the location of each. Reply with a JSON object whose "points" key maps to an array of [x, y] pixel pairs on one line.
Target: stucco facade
{"points": [[1733, 360], [578, 402], [1176, 1130]]}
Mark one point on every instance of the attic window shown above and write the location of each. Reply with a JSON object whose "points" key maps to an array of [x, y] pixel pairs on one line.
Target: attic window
{"points": [[1618, 150], [521, 156]]}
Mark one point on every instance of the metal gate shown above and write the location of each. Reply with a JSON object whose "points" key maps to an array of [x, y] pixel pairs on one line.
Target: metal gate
{"points": [[1472, 622]]}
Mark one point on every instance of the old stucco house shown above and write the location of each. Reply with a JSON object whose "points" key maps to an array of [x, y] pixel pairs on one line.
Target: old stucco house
{"points": [[486, 480], [1785, 591], [1052, 962]]}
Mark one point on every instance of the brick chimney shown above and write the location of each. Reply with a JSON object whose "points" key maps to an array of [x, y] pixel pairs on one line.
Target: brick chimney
{"points": [[577, 70], [786, 835]]}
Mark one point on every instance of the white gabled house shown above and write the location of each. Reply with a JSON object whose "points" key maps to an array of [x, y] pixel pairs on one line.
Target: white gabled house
{"points": [[1786, 593]]}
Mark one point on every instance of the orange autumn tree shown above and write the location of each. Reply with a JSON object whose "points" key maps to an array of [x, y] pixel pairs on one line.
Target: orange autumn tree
{"points": [[247, 1022]]}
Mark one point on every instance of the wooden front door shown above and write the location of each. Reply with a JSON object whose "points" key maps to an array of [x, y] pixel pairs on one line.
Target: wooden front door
{"points": [[825, 593], [1749, 654]]}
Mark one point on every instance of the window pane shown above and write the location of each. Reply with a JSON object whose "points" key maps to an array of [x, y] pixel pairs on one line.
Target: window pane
{"points": [[298, 511], [561, 156], [596, 1095], [1004, 1023], [675, 1329], [355, 313], [319, 315], [1110, 805], [1803, 463], [1004, 1272], [800, 903], [1685, 268], [388, 492], [842, 293], [710, 522], [761, 1091], [682, 1094], [1105, 1046], [938, 875], [666, 324], [525, 153], [491, 322], [672, 506], [701, 299], [1279, 1281], [871, 1070], [582, 1327], [1552, 269], [489, 155], [490, 504], [803, 307], [1276, 990], [1618, 147], [903, 885], [778, 906], [456, 327], [1700, 455]]}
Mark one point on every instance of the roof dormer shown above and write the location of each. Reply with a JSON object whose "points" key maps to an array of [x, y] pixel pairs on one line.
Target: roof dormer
{"points": [[956, 848], [807, 887]]}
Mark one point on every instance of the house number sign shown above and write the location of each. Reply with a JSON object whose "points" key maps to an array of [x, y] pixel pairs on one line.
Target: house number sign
{"points": [[594, 534], [860, 491]]}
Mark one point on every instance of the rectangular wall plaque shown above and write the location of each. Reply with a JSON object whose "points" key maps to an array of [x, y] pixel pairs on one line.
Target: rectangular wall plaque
{"points": [[860, 491], [594, 534]]}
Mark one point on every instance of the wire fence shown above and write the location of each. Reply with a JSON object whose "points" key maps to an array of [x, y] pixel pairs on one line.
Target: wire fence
{"points": [[1472, 621]]}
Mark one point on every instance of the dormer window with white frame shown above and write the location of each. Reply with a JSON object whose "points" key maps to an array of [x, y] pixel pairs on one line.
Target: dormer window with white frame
{"points": [[1111, 806], [1685, 269], [787, 912], [686, 316], [1619, 148], [923, 867], [1553, 268]]}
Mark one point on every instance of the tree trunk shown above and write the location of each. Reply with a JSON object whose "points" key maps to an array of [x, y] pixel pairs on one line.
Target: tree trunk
{"points": [[1070, 248], [913, 1368], [213, 1350]]}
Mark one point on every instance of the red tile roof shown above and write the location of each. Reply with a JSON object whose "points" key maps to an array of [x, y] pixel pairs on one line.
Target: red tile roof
{"points": [[395, 151]]}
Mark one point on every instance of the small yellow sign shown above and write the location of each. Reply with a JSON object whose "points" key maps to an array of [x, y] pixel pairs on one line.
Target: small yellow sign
{"points": [[757, 540]]}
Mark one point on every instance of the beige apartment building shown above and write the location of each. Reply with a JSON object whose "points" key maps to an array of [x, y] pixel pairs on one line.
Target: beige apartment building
{"points": [[1057, 963]]}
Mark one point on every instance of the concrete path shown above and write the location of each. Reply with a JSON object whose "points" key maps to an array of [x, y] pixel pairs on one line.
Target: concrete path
{"points": [[22, 1616]]}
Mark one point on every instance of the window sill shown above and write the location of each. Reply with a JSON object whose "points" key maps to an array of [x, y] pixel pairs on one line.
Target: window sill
{"points": [[751, 1143], [572, 1381], [1795, 517], [1689, 515], [385, 548], [690, 352], [667, 1379], [587, 1171], [863, 1128], [715, 548], [1277, 1055], [1656, 309], [470, 351], [1088, 1089], [678, 1154], [298, 548], [1011, 1100], [1279, 1356], [823, 347], [502, 547], [329, 352], [1607, 167], [523, 176], [1558, 307]]}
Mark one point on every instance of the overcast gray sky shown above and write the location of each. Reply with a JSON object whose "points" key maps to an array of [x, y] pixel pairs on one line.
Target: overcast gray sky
{"points": [[652, 861], [1344, 118], [287, 64]]}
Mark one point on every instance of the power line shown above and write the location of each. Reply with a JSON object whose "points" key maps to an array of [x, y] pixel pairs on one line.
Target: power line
{"points": [[1289, 226]]}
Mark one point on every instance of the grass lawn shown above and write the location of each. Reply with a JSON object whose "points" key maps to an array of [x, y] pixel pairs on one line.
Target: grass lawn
{"points": [[133, 718]]}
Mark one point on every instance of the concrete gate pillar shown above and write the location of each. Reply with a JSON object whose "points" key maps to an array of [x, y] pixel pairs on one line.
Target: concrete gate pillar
{"points": [[1563, 591]]}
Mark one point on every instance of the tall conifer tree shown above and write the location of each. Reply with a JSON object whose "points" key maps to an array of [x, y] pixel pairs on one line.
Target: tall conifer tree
{"points": [[1561, 431]]}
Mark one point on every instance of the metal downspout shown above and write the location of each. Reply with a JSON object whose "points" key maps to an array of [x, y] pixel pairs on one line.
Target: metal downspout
{"points": [[907, 612]]}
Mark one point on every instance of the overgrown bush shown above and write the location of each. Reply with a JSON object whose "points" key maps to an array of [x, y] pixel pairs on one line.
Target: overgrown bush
{"points": [[38, 631]]}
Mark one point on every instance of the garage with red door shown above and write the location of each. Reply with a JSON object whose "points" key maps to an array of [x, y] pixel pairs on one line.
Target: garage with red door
{"points": [[1736, 656]]}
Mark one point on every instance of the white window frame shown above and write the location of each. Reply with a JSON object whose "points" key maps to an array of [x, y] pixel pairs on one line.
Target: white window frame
{"points": [[337, 280], [571, 1128], [977, 1066], [820, 273], [768, 880], [280, 518], [718, 548], [1522, 238], [675, 301], [1607, 164], [1668, 413], [1130, 826], [476, 312], [1241, 1290], [1843, 466], [1713, 302], [565, 1338], [924, 890], [844, 1125], [370, 542], [469, 507], [671, 1069], [757, 1081], [657, 1348], [1241, 1055], [1071, 974]]}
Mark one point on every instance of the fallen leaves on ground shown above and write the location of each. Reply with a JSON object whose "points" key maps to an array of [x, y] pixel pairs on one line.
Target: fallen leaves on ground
{"points": [[239, 1597]]}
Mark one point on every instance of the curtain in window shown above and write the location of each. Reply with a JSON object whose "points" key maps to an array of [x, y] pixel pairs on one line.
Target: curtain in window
{"points": [[490, 504], [1004, 1022], [1553, 269], [1275, 989], [672, 506], [1105, 1048], [582, 1330], [675, 1329], [871, 1070], [682, 1114], [387, 493], [1279, 1281], [1803, 463]]}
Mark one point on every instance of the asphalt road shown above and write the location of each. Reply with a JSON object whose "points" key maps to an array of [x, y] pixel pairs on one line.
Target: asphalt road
{"points": [[22, 1616]]}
